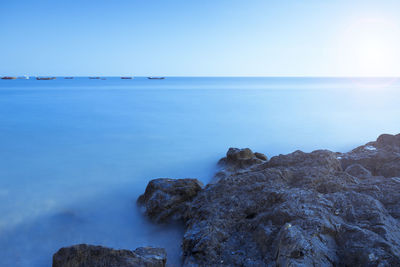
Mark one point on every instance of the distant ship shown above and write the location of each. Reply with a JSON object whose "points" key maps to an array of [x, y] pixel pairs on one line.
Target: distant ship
{"points": [[156, 78], [8, 78], [45, 78], [25, 77], [94, 78], [126, 78], [68, 78]]}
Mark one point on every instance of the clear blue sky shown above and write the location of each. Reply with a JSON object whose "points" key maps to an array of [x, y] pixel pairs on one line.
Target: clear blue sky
{"points": [[200, 38]]}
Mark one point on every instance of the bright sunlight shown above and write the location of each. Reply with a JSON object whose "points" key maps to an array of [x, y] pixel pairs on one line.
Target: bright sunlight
{"points": [[369, 47]]}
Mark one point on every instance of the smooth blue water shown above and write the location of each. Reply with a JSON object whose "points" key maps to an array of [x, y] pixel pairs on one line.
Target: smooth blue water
{"points": [[76, 154]]}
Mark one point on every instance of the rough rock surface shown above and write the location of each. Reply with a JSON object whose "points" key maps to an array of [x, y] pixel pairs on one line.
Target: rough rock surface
{"points": [[166, 199], [302, 209], [96, 256], [237, 160], [381, 157]]}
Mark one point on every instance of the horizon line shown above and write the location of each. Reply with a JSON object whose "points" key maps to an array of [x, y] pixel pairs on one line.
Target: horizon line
{"points": [[210, 76]]}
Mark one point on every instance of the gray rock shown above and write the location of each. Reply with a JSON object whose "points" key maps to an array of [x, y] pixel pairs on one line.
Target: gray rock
{"points": [[302, 209], [358, 171], [237, 159], [166, 199], [381, 157], [260, 156], [236, 154], [96, 256], [388, 140]]}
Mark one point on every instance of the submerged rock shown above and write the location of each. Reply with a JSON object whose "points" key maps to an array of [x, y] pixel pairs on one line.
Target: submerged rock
{"points": [[302, 209], [166, 199], [97, 256]]}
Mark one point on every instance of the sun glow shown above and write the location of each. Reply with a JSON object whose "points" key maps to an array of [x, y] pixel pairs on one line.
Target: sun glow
{"points": [[370, 47]]}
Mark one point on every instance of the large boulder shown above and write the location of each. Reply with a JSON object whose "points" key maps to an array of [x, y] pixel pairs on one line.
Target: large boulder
{"points": [[302, 209], [97, 256], [295, 210], [388, 140], [166, 199], [238, 159], [381, 157]]}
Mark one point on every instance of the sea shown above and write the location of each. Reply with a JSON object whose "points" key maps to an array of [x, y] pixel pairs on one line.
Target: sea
{"points": [[75, 154]]}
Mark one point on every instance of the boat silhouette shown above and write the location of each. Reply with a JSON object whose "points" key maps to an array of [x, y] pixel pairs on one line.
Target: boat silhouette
{"points": [[45, 78]]}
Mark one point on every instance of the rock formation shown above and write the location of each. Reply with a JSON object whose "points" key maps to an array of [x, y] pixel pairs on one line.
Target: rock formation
{"points": [[97, 256], [302, 209], [166, 199], [237, 160]]}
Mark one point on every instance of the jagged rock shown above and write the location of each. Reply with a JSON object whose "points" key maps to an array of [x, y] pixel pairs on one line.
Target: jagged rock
{"points": [[295, 247], [388, 140], [381, 157], [241, 158], [166, 199], [260, 156], [236, 154], [323, 160], [98, 256], [302, 209], [238, 160], [358, 171]]}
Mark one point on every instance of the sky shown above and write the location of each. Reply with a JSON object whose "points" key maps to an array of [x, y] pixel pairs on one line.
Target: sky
{"points": [[200, 38]]}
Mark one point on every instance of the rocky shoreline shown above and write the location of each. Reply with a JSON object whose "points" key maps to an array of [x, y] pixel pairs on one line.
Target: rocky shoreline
{"points": [[301, 209]]}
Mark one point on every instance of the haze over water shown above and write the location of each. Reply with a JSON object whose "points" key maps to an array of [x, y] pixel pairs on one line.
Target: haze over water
{"points": [[76, 154]]}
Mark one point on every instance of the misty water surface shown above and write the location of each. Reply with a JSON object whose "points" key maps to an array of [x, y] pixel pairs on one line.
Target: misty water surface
{"points": [[76, 154]]}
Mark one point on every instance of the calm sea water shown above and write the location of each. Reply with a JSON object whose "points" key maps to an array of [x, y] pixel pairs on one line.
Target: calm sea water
{"points": [[76, 154]]}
